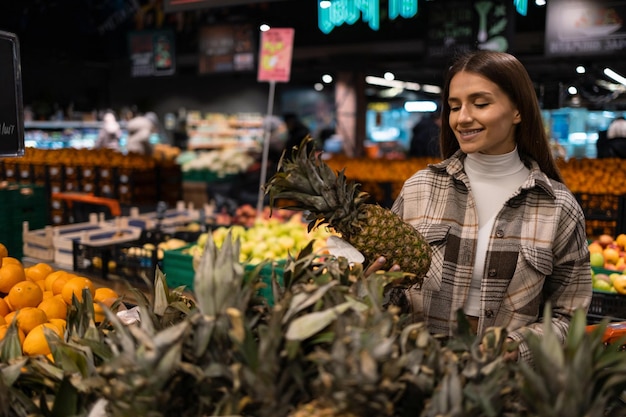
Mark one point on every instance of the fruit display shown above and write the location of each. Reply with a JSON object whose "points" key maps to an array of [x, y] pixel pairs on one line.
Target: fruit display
{"points": [[35, 302], [326, 347], [608, 252], [267, 239], [309, 184]]}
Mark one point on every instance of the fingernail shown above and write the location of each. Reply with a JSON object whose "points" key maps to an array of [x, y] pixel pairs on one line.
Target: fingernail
{"points": [[381, 260]]}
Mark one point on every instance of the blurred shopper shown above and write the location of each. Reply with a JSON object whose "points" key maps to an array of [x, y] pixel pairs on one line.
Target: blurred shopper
{"points": [[296, 130], [140, 129], [110, 133], [425, 138], [615, 144]]}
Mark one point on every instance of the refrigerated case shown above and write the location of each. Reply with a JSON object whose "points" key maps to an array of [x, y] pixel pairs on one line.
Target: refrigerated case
{"points": [[576, 129]]}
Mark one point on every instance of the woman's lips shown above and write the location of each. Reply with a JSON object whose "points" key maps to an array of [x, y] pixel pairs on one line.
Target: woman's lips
{"points": [[469, 134]]}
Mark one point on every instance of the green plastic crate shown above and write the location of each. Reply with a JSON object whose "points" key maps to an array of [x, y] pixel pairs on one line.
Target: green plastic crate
{"points": [[178, 270]]}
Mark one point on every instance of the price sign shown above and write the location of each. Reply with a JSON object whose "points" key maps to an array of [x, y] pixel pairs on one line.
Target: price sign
{"points": [[11, 105]]}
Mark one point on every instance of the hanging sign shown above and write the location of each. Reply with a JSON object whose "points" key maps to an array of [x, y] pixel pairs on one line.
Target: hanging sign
{"points": [[585, 27], [275, 55], [152, 53], [11, 105]]}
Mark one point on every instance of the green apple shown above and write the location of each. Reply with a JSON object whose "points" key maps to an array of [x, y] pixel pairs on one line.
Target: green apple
{"points": [[602, 285], [596, 259]]}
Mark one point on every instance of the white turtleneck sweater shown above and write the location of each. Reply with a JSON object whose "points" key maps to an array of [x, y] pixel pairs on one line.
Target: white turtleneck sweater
{"points": [[493, 180]]}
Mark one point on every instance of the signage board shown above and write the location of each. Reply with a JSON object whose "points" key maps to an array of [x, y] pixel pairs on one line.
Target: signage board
{"points": [[576, 27], [275, 55], [11, 104], [152, 53], [459, 26], [226, 48]]}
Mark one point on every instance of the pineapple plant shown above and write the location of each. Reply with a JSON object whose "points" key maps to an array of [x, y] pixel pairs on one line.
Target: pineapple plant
{"points": [[308, 184], [327, 347]]}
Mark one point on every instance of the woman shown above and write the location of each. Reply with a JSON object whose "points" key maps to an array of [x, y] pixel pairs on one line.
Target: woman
{"points": [[507, 235]]}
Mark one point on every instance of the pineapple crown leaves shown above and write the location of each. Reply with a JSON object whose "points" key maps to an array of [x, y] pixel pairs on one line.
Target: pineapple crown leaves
{"points": [[219, 277], [314, 186], [576, 378], [10, 346]]}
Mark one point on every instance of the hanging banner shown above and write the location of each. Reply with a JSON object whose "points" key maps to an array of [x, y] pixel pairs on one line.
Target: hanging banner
{"points": [[11, 106], [275, 55]]}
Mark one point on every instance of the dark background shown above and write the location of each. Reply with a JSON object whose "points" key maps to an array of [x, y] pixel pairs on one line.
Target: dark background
{"points": [[76, 51]]}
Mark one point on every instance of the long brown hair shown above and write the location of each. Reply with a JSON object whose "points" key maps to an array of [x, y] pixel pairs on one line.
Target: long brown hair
{"points": [[508, 73]]}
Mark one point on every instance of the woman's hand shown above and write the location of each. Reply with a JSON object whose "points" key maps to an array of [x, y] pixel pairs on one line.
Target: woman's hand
{"points": [[378, 264]]}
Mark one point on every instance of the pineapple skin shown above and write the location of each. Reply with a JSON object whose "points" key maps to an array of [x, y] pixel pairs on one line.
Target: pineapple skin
{"points": [[382, 232]]}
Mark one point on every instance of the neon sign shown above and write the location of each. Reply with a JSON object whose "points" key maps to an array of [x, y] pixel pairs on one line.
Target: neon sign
{"points": [[350, 11]]}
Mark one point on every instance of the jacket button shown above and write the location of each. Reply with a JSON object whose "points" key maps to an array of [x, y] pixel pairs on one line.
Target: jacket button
{"points": [[492, 273], [500, 233], [489, 313]]}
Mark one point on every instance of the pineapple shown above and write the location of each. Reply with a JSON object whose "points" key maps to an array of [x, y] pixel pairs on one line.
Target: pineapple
{"points": [[311, 185]]}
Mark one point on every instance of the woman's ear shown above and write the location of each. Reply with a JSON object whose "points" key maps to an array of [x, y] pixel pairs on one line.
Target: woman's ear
{"points": [[517, 117]]}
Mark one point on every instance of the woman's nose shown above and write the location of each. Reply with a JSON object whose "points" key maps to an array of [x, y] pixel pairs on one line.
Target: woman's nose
{"points": [[464, 114]]}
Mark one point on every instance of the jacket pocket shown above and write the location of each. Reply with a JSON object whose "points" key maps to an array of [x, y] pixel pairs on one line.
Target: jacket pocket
{"points": [[539, 259]]}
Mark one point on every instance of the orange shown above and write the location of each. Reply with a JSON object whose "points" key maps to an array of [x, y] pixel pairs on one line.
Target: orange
{"points": [[98, 311], [621, 240], [59, 283], [4, 308], [105, 295], [4, 252], [9, 317], [11, 260], [47, 294], [2, 321], [38, 271], [10, 274], [6, 300], [60, 323], [74, 286], [42, 284], [54, 307], [5, 327], [30, 317], [25, 294], [51, 277], [36, 343]]}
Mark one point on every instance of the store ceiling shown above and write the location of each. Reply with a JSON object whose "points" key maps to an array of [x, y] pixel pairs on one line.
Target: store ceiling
{"points": [[96, 31]]}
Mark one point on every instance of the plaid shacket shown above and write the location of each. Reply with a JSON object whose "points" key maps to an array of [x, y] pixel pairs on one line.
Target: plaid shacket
{"points": [[537, 252]]}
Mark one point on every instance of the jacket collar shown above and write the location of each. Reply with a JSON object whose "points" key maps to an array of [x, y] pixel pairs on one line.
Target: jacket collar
{"points": [[453, 166]]}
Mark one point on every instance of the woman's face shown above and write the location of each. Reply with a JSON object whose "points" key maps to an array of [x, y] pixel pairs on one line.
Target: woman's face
{"points": [[482, 117]]}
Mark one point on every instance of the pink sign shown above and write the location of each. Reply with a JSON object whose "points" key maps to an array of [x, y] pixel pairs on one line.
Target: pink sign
{"points": [[275, 55]]}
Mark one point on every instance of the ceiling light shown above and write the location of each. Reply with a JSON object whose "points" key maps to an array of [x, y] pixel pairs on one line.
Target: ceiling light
{"points": [[318, 86], [614, 76], [370, 79], [580, 69], [264, 27], [327, 78], [572, 90], [540, 2], [389, 76], [325, 4], [425, 106]]}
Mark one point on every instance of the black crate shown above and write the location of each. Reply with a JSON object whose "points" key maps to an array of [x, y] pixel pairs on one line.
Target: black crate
{"points": [[135, 261], [601, 206], [91, 261], [607, 305]]}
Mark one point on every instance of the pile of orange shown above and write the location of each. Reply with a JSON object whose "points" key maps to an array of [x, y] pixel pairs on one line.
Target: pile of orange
{"points": [[38, 297]]}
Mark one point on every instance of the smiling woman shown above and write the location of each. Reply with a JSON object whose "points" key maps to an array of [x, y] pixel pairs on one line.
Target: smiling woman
{"points": [[507, 236]]}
